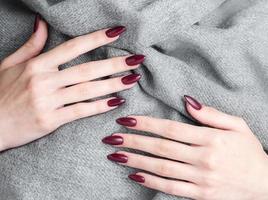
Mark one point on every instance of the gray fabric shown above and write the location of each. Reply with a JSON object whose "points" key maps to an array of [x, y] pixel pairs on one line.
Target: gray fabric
{"points": [[222, 61]]}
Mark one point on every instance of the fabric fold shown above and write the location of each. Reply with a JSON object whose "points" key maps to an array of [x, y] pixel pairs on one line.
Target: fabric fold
{"points": [[192, 47]]}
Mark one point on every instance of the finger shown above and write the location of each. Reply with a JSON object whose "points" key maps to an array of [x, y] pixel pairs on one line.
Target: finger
{"points": [[161, 167], [212, 117], [157, 146], [97, 69], [177, 188], [169, 129], [80, 45], [31, 48], [80, 110], [89, 90]]}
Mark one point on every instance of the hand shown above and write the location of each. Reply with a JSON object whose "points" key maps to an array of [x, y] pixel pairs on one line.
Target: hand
{"points": [[34, 93], [225, 161]]}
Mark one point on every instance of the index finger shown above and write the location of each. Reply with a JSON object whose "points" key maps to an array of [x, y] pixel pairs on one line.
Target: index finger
{"points": [[73, 48]]}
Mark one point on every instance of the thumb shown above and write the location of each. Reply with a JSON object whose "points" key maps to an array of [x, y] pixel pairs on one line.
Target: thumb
{"points": [[212, 117], [31, 48]]}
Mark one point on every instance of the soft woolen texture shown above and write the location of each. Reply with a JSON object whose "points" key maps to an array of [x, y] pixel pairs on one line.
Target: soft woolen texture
{"points": [[214, 50]]}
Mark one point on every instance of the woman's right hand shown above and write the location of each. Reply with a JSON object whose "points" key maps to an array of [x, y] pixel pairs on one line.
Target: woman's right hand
{"points": [[34, 93]]}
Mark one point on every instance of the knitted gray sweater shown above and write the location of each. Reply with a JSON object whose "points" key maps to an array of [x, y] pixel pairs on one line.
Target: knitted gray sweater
{"points": [[192, 47]]}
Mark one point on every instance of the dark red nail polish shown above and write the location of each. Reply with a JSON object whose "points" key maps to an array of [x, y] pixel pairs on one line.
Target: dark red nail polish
{"points": [[132, 78], [113, 140], [127, 121], [116, 31], [116, 102], [135, 60], [137, 178], [116, 157], [36, 22], [193, 102]]}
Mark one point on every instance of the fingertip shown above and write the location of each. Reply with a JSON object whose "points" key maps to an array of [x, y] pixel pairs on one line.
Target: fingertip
{"points": [[115, 32], [36, 22], [40, 29], [137, 177], [192, 103], [115, 101]]}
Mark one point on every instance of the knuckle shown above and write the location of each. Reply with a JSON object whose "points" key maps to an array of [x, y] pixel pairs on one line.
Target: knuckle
{"points": [[211, 111], [117, 82], [84, 70], [162, 147], [172, 189], [78, 110], [99, 108], [116, 63], [112, 85], [72, 45], [84, 89], [32, 45], [209, 160], [99, 38], [216, 140], [163, 169], [171, 128], [44, 123], [131, 141], [34, 85], [32, 67]]}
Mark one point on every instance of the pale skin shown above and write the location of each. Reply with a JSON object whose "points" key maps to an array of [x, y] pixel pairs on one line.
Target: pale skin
{"points": [[34, 93], [218, 161]]}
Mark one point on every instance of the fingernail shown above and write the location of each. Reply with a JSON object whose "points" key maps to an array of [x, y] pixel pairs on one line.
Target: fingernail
{"points": [[127, 121], [193, 102], [113, 32], [137, 178], [135, 60], [116, 102], [129, 79], [116, 157], [36, 22], [113, 140]]}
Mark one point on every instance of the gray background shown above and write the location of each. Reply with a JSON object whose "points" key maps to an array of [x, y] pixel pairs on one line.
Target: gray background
{"points": [[222, 62]]}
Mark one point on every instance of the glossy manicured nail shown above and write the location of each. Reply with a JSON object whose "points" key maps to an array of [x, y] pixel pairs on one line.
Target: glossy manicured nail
{"points": [[137, 178], [116, 31], [135, 60], [116, 102], [127, 121], [193, 102], [36, 22], [116, 157], [129, 79], [113, 140]]}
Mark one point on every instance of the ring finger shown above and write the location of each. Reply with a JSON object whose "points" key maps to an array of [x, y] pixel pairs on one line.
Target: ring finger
{"points": [[89, 90], [156, 146]]}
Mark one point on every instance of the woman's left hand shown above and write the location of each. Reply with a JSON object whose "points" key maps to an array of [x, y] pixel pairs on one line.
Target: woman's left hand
{"points": [[222, 161]]}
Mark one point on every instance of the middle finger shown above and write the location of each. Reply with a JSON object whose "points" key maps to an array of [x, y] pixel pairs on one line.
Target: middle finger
{"points": [[96, 69], [156, 146]]}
